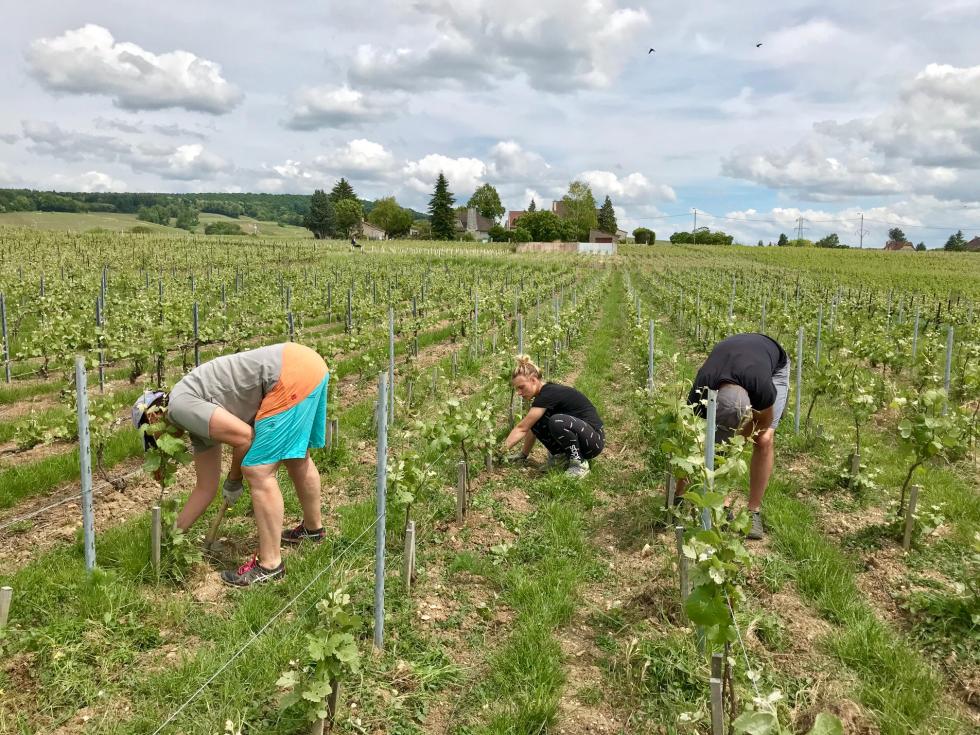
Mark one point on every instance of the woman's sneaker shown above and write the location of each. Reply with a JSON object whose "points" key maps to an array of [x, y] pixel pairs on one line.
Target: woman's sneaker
{"points": [[756, 532], [251, 572], [300, 533], [577, 469]]}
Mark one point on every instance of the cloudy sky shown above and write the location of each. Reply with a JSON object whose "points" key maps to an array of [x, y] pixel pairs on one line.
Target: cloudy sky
{"points": [[845, 108]]}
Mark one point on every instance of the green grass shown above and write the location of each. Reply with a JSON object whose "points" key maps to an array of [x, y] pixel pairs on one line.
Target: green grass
{"points": [[77, 222], [122, 222], [540, 580], [30, 480], [896, 683]]}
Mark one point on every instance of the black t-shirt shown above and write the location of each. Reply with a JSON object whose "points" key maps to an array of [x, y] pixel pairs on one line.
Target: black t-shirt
{"points": [[556, 398], [749, 360]]}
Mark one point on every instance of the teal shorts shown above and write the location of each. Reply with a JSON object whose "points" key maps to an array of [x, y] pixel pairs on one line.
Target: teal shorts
{"points": [[293, 432]]}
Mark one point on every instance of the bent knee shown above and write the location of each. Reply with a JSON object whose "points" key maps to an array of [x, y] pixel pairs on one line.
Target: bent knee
{"points": [[765, 440]]}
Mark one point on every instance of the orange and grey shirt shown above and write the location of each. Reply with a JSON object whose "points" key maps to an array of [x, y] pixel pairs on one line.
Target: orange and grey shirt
{"points": [[250, 385]]}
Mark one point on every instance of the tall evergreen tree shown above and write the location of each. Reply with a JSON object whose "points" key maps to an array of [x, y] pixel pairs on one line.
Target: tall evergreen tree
{"points": [[532, 207], [441, 212], [342, 190], [607, 217], [320, 219], [783, 240], [956, 242]]}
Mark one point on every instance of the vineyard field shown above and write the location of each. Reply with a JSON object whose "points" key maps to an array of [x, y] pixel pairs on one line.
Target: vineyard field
{"points": [[526, 601]]}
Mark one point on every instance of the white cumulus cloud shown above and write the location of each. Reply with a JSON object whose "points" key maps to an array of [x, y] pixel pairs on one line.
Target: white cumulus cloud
{"points": [[186, 162], [333, 107], [510, 161], [632, 187], [552, 46], [927, 142], [88, 182], [88, 60], [464, 174], [359, 157]]}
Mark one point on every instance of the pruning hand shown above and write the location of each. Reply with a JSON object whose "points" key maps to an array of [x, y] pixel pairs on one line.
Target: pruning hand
{"points": [[516, 457], [232, 490]]}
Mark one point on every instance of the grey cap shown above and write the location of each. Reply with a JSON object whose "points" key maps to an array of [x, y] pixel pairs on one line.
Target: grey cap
{"points": [[143, 404], [732, 407]]}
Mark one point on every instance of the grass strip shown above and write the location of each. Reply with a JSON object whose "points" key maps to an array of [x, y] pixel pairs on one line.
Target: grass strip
{"points": [[896, 683], [29, 480], [552, 559]]}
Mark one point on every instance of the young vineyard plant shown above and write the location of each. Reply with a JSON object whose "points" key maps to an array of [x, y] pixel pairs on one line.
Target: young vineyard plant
{"points": [[330, 654], [717, 555], [165, 455], [928, 429]]}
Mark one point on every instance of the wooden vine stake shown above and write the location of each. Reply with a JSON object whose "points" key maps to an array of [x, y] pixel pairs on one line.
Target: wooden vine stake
{"points": [[682, 568], [155, 534], [408, 571], [6, 595], [717, 707], [910, 517], [461, 493], [671, 490], [326, 724]]}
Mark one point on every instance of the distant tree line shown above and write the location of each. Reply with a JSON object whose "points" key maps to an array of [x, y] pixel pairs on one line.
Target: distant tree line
{"points": [[286, 209]]}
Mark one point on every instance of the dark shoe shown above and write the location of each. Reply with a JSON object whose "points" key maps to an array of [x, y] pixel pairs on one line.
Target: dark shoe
{"points": [[251, 572], [756, 532], [729, 514], [301, 533]]}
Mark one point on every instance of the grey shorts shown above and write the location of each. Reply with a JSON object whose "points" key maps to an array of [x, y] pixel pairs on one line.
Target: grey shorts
{"points": [[781, 381], [192, 413]]}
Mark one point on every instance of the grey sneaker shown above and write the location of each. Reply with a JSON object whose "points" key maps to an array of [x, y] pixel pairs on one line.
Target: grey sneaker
{"points": [[756, 532], [251, 572], [556, 461], [577, 469]]}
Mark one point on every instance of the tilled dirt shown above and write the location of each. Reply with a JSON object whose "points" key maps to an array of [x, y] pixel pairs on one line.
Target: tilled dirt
{"points": [[62, 523]]}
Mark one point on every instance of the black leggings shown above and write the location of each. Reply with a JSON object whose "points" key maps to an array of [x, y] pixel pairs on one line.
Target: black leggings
{"points": [[564, 434]]}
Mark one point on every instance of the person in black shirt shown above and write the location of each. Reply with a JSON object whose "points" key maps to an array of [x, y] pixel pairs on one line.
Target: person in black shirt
{"points": [[751, 374], [561, 418]]}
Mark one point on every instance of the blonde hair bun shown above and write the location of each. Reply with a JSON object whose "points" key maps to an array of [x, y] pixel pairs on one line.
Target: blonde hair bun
{"points": [[526, 367]]}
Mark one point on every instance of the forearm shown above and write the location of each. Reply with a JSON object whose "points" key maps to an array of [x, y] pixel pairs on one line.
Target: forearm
{"points": [[515, 435], [529, 442]]}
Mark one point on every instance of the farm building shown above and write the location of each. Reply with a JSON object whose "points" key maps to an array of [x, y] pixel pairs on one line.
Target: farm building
{"points": [[897, 245], [512, 217], [372, 232], [600, 236], [590, 248]]}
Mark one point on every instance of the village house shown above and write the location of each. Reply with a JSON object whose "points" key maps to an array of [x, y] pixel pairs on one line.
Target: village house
{"points": [[896, 245], [474, 223], [371, 232]]}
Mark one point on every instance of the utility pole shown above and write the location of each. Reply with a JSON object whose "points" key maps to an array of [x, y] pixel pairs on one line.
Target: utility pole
{"points": [[694, 232], [862, 231]]}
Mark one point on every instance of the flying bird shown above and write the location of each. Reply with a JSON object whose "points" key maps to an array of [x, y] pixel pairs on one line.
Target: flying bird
{"points": [[651, 51], [757, 45]]}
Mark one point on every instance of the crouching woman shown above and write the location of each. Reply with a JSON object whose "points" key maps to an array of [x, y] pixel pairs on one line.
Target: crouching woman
{"points": [[561, 418]]}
